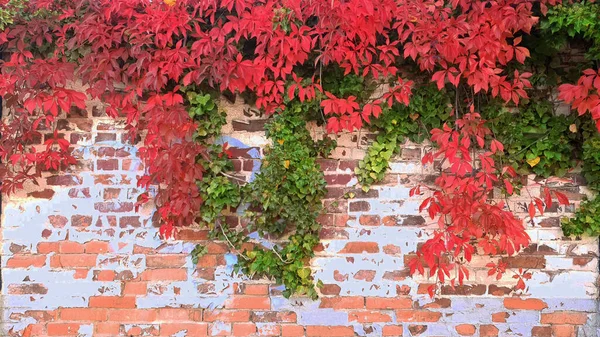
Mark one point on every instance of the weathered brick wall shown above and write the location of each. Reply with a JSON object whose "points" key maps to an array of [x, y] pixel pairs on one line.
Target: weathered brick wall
{"points": [[78, 260]]}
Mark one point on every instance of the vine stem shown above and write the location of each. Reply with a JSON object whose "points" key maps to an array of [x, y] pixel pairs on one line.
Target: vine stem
{"points": [[279, 256], [228, 241], [234, 177]]}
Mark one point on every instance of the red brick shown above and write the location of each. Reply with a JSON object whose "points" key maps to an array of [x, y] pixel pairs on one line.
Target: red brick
{"points": [[80, 273], [500, 317], [541, 331], [96, 247], [564, 331], [360, 206], [103, 137], [330, 331], [488, 331], [465, 329], [564, 317], [330, 289], [345, 302], [365, 275], [58, 221], [48, 247], [104, 275], [26, 261], [244, 329], [73, 260], [70, 247], [248, 302], [164, 275], [129, 221], [81, 220], [191, 235], [360, 247], [165, 261], [107, 164], [369, 220], [43, 194], [292, 330], [417, 316], [389, 303], [127, 302], [392, 249], [63, 329], [525, 261], [525, 304], [338, 179], [254, 289], [191, 329], [392, 330], [107, 329], [135, 288], [83, 314], [132, 315], [226, 316], [64, 180]]}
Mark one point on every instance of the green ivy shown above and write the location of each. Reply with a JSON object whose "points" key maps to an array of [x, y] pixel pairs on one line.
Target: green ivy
{"points": [[576, 20], [535, 139], [591, 162], [429, 108], [287, 193], [586, 221], [203, 109]]}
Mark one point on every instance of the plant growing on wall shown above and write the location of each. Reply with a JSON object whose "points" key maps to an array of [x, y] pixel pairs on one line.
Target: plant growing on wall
{"points": [[154, 62]]}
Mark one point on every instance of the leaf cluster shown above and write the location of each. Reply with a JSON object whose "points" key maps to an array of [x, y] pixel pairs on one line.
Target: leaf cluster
{"points": [[586, 221], [285, 198], [429, 108]]}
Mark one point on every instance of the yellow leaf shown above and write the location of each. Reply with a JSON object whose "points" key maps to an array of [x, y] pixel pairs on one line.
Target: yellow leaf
{"points": [[170, 2], [573, 128], [286, 164], [280, 141], [534, 161], [413, 116]]}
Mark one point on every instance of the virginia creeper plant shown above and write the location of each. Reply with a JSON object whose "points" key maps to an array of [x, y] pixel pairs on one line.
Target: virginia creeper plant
{"points": [[154, 62]]}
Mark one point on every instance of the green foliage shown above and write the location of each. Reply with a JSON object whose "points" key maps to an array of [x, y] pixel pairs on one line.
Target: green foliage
{"points": [[576, 20], [535, 140], [198, 252], [9, 10], [372, 168], [591, 162], [586, 221], [342, 85], [203, 109], [287, 192], [429, 108], [219, 194]]}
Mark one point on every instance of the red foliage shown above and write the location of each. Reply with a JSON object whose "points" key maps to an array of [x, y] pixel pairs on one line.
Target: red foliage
{"points": [[585, 95], [134, 55]]}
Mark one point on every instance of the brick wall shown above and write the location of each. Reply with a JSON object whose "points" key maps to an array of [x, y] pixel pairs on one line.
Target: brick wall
{"points": [[78, 260]]}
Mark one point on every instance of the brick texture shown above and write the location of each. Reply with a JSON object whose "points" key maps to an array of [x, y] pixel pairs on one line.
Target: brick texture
{"points": [[79, 260]]}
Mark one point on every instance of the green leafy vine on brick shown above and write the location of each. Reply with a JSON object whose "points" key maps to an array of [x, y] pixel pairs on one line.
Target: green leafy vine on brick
{"points": [[536, 139], [429, 108], [284, 201]]}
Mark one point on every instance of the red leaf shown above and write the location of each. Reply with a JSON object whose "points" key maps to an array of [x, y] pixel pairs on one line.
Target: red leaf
{"points": [[562, 199], [509, 187]]}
